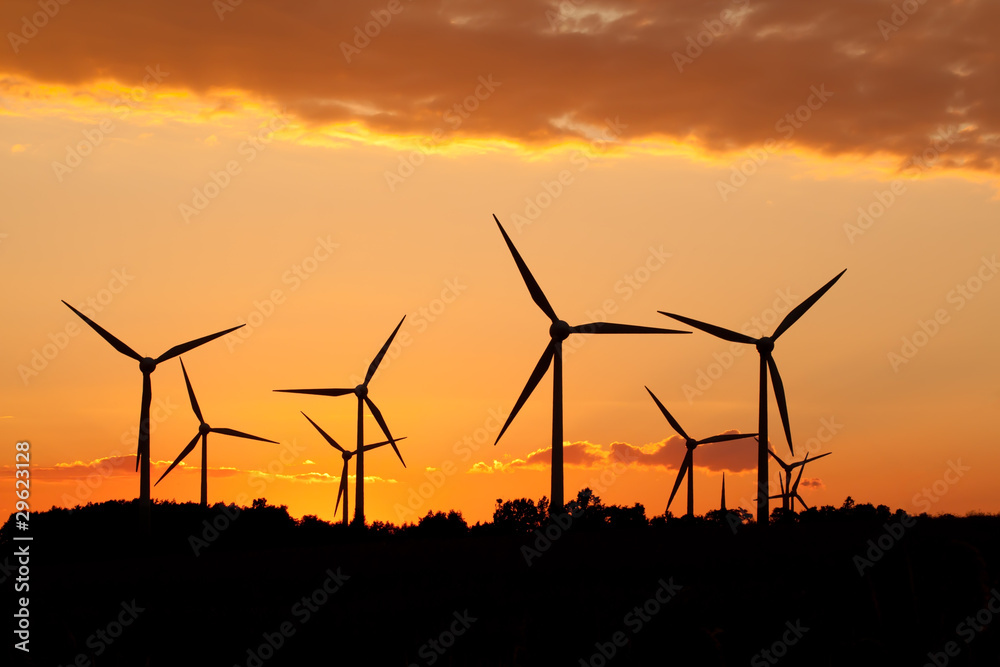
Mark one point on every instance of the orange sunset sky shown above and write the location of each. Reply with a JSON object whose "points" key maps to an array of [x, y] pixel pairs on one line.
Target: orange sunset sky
{"points": [[319, 170]]}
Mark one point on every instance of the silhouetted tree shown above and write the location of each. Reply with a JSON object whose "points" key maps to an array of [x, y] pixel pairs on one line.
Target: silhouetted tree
{"points": [[442, 525], [519, 516]]}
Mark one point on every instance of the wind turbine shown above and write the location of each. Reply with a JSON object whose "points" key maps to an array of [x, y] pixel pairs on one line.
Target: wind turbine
{"points": [[765, 347], [347, 458], [147, 365], [559, 331], [790, 494], [790, 491], [688, 465], [361, 391], [723, 505], [203, 431]]}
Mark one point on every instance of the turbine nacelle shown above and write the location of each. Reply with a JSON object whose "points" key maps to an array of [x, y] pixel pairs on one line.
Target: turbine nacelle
{"points": [[691, 444], [204, 429], [147, 365], [765, 345], [361, 391], [560, 330], [346, 456]]}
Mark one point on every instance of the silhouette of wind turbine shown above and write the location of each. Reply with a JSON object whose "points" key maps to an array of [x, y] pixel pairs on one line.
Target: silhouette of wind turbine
{"points": [[559, 331], [688, 465], [361, 391], [347, 458], [147, 365], [203, 431], [765, 347], [789, 491]]}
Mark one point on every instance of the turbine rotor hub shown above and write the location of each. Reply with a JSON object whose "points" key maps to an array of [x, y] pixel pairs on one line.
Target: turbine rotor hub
{"points": [[346, 455], [204, 429], [361, 391], [560, 330], [765, 345], [691, 444], [147, 365]]}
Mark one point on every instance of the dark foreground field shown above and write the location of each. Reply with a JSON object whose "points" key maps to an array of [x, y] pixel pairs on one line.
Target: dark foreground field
{"points": [[267, 591]]}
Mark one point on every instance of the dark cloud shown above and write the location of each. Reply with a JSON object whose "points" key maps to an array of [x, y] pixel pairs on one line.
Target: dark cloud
{"points": [[563, 73]]}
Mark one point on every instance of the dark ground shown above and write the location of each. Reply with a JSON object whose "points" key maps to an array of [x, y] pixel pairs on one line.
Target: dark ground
{"points": [[795, 592]]}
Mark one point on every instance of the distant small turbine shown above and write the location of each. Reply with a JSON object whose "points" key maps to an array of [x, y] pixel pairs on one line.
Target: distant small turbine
{"points": [[147, 365], [765, 347], [347, 458], [688, 465], [203, 431], [790, 492], [559, 331], [723, 505], [361, 391]]}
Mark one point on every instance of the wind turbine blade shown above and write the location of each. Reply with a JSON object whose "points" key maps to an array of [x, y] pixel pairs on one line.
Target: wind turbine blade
{"points": [[184, 452], [799, 498], [318, 392], [332, 442], [381, 353], [380, 444], [117, 344], [191, 344], [803, 461], [194, 401], [779, 396], [799, 310], [343, 485], [385, 428], [718, 332], [680, 477], [725, 438], [795, 487], [241, 434], [536, 375], [612, 328], [536, 292], [670, 417], [781, 463], [781, 483]]}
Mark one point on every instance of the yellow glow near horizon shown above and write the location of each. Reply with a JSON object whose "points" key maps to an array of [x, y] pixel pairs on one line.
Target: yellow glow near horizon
{"points": [[233, 109]]}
